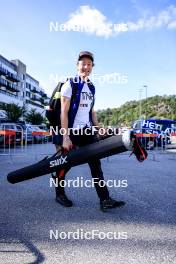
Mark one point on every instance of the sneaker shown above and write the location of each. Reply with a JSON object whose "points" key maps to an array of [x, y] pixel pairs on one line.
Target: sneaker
{"points": [[63, 200], [110, 203]]}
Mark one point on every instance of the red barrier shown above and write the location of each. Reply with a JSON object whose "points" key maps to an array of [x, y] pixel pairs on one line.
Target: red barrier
{"points": [[173, 134], [42, 133], [7, 132], [146, 135]]}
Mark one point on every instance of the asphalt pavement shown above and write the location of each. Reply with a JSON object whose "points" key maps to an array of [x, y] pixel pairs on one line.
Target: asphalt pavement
{"points": [[35, 229]]}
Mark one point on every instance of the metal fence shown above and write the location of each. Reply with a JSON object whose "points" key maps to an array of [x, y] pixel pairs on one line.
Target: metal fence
{"points": [[17, 141], [155, 141]]}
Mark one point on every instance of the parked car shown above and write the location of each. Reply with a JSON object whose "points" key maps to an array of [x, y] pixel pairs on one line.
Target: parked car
{"points": [[11, 139], [36, 132], [46, 136], [23, 133], [44, 128], [27, 134]]}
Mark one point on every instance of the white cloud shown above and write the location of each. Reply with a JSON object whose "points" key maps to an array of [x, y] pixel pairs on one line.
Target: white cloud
{"points": [[92, 21], [164, 18], [172, 25], [140, 10]]}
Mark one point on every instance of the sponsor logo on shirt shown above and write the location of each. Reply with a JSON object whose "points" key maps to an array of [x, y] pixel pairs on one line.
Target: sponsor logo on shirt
{"points": [[86, 98]]}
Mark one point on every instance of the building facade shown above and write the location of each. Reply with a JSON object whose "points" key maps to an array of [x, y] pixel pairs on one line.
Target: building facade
{"points": [[17, 86]]}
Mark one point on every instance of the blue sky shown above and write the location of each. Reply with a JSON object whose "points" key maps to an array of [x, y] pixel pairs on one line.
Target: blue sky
{"points": [[145, 53]]}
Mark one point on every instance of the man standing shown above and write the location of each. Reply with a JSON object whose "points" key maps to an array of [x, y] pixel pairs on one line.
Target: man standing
{"points": [[79, 115]]}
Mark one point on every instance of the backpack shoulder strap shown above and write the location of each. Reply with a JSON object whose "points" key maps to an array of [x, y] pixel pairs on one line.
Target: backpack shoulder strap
{"points": [[56, 93], [91, 87], [75, 99], [74, 86]]}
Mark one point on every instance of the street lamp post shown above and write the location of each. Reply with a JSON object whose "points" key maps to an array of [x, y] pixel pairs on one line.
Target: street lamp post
{"points": [[140, 96], [145, 86]]}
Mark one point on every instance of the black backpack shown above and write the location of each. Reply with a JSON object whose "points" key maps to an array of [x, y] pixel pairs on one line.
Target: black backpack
{"points": [[54, 111]]}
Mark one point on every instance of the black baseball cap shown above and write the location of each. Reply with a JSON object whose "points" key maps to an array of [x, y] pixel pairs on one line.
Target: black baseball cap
{"points": [[87, 54]]}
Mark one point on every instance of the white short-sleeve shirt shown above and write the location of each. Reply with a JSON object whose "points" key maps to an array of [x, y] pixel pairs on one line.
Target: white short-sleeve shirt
{"points": [[82, 116]]}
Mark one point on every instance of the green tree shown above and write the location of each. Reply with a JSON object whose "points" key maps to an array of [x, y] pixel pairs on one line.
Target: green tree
{"points": [[13, 112], [34, 118], [152, 107]]}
